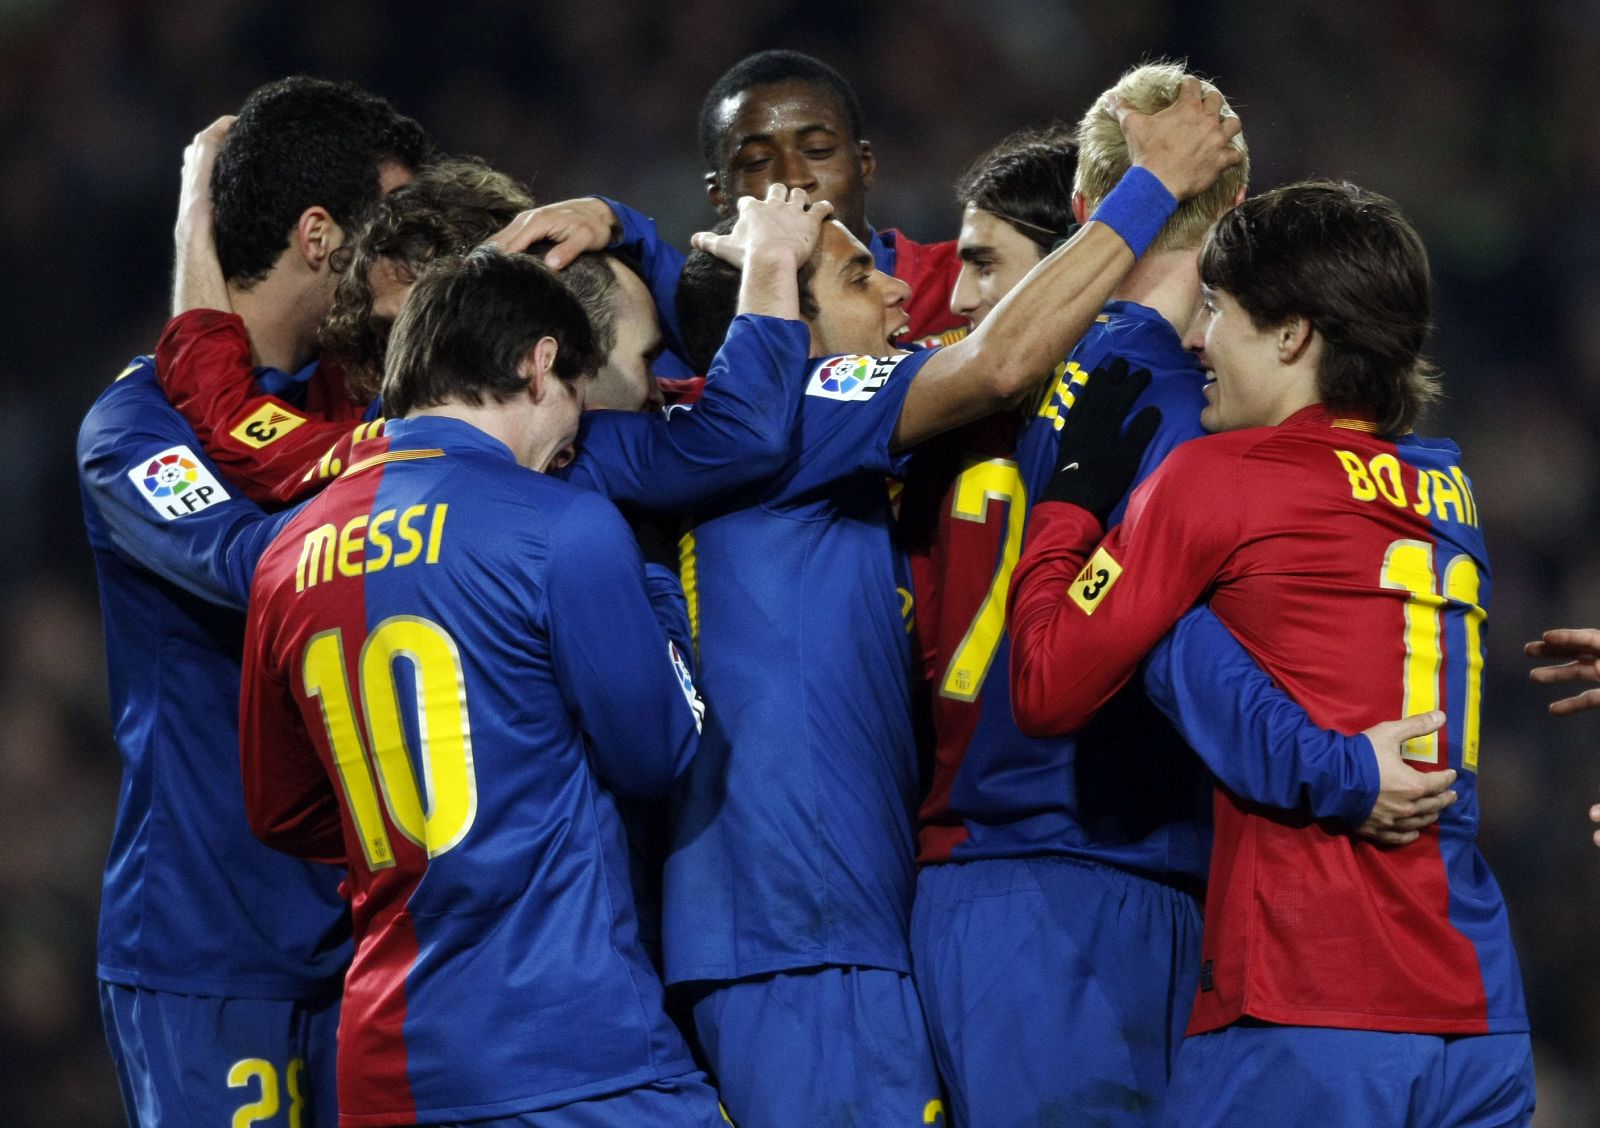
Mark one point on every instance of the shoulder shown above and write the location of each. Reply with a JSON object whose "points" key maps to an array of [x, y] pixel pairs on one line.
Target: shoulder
{"points": [[854, 376], [130, 415]]}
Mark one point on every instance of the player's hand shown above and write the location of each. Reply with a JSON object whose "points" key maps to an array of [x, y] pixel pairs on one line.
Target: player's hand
{"points": [[1185, 146], [1594, 817], [1582, 649], [194, 197], [574, 226], [1098, 459], [783, 227], [1408, 800]]}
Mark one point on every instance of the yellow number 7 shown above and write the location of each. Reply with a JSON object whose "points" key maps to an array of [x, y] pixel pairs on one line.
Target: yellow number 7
{"points": [[995, 479]]}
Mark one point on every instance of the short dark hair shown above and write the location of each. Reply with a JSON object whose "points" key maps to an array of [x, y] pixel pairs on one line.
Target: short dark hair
{"points": [[1026, 180], [449, 207], [301, 142], [468, 325], [766, 68], [708, 300], [1347, 261]]}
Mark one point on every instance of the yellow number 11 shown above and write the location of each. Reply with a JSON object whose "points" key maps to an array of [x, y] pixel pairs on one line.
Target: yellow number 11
{"points": [[1408, 566]]}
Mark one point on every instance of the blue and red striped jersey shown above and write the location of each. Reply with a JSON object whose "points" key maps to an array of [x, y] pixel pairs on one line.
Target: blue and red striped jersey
{"points": [[1125, 790], [1353, 570], [451, 665], [792, 841]]}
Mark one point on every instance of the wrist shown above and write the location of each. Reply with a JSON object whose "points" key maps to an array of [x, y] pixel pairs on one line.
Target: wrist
{"points": [[1137, 208]]}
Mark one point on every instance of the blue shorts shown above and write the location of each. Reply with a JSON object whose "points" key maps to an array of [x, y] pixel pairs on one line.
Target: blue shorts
{"points": [[1056, 990], [675, 1102], [823, 1047], [203, 1060], [1253, 1073]]}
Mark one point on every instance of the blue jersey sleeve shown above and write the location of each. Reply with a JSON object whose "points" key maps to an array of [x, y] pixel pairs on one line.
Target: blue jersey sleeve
{"points": [[151, 492], [848, 414], [626, 684], [738, 435], [671, 608], [661, 263], [1254, 738]]}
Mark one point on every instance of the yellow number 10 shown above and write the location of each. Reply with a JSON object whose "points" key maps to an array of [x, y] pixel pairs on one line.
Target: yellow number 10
{"points": [[1408, 567], [445, 755]]}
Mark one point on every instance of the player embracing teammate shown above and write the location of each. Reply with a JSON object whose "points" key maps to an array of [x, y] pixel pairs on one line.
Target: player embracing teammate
{"points": [[456, 686]]}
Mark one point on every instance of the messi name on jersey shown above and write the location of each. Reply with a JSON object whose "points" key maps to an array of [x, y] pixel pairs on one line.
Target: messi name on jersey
{"points": [[418, 528], [852, 377]]}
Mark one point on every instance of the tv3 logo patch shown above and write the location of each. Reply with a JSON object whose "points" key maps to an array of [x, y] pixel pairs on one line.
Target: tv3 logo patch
{"points": [[1092, 584], [267, 423], [852, 377], [176, 484]]}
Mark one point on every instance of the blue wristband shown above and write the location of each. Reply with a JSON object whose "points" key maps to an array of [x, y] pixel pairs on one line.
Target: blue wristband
{"points": [[1137, 209]]}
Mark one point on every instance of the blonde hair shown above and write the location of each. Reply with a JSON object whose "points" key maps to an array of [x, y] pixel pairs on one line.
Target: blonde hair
{"points": [[1103, 154]]}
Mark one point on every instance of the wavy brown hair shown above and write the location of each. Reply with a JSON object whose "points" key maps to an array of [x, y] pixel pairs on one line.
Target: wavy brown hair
{"points": [[449, 207]]}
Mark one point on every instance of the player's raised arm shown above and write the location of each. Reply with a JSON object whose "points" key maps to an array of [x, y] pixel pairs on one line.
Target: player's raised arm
{"points": [[1176, 154], [197, 281]]}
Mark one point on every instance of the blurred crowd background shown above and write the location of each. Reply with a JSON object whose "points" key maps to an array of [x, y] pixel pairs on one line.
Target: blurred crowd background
{"points": [[1479, 117]]}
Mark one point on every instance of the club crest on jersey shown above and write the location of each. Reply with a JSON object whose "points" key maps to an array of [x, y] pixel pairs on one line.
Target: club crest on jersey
{"points": [[852, 377], [697, 706], [266, 424], [176, 484]]}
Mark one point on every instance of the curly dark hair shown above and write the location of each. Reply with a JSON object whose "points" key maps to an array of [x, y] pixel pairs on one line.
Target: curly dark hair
{"points": [[302, 142], [448, 208]]}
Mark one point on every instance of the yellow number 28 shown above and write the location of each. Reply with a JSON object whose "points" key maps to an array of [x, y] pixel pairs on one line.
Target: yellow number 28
{"points": [[445, 754]]}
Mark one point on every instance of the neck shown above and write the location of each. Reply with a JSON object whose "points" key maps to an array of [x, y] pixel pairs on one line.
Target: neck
{"points": [[513, 422], [281, 318], [1167, 282]]}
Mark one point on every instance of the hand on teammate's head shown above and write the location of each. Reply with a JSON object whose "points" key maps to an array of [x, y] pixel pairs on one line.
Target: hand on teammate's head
{"points": [[785, 222], [1185, 146]]}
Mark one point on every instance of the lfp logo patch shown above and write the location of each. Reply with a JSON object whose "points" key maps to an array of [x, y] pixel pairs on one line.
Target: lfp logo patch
{"points": [[176, 484], [852, 377]]}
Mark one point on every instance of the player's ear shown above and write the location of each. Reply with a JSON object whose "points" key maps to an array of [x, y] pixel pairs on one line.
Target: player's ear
{"points": [[317, 236], [714, 193], [869, 164], [1080, 208], [538, 367], [1294, 337]]}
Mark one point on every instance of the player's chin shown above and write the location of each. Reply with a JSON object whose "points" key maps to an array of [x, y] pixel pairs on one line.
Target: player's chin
{"points": [[1211, 415]]}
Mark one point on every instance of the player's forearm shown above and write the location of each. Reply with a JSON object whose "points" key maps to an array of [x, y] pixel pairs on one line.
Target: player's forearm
{"points": [[1253, 736], [769, 285], [197, 281], [1042, 318], [1064, 666]]}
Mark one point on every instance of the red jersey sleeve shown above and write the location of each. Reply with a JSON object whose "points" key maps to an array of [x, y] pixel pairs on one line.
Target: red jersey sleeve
{"points": [[1085, 611], [273, 451], [288, 796]]}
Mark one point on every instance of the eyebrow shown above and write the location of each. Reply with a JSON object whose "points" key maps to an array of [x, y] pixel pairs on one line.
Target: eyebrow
{"points": [[856, 262], [971, 254], [766, 138]]}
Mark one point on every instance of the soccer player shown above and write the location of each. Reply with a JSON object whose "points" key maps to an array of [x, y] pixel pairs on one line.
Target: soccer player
{"points": [[1088, 1018], [1341, 982], [789, 886], [451, 665], [219, 959], [776, 117]]}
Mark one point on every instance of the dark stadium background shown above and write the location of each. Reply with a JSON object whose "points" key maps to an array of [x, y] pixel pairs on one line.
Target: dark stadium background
{"points": [[1475, 115]]}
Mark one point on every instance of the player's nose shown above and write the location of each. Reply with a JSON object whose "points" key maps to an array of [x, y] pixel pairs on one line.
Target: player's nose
{"points": [[797, 171]]}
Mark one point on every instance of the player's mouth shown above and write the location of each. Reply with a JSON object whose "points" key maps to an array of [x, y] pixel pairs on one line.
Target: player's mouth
{"points": [[898, 335]]}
